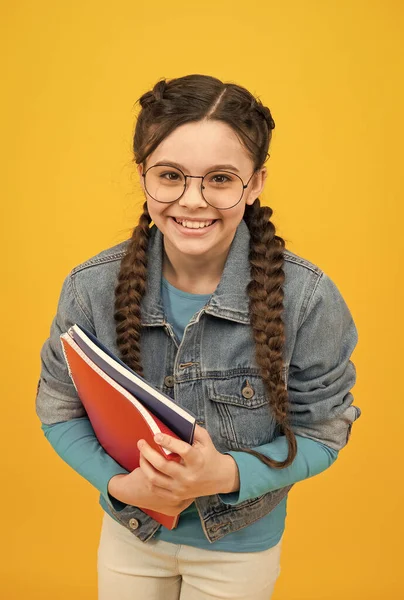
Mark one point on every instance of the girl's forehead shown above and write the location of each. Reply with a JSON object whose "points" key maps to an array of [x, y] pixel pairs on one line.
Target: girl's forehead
{"points": [[201, 144]]}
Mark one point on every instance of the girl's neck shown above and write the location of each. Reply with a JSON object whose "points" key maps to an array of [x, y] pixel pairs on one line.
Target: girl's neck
{"points": [[195, 275]]}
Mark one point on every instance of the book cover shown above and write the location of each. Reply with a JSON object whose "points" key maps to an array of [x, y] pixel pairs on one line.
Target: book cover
{"points": [[181, 421], [118, 418]]}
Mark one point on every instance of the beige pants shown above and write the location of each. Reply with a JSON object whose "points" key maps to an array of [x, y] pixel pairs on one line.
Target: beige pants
{"points": [[129, 569]]}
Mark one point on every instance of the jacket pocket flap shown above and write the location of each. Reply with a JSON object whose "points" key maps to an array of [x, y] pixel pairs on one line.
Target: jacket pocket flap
{"points": [[246, 391]]}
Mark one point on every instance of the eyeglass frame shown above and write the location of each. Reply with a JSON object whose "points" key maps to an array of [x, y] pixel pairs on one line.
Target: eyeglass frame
{"points": [[198, 177]]}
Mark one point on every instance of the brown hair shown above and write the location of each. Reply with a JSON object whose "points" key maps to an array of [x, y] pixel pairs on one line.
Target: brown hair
{"points": [[168, 105]]}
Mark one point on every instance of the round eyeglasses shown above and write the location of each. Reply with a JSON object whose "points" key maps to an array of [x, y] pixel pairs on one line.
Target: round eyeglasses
{"points": [[220, 189]]}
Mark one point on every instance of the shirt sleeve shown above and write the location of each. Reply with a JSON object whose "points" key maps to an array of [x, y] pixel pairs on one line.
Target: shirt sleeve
{"points": [[76, 443], [256, 478]]}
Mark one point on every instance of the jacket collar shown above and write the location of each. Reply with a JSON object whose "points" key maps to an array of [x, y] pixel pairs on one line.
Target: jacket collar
{"points": [[230, 299]]}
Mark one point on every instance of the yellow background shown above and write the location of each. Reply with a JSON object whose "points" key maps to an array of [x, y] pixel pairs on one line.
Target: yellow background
{"points": [[332, 74]]}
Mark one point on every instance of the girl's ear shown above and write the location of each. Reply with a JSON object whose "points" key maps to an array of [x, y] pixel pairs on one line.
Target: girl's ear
{"points": [[139, 169], [258, 183]]}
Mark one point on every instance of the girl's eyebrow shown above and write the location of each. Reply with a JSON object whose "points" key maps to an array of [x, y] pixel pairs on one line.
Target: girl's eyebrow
{"points": [[212, 168]]}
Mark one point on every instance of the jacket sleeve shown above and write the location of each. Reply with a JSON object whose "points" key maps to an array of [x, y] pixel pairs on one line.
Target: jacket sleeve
{"points": [[320, 378], [56, 398], [321, 373], [61, 412]]}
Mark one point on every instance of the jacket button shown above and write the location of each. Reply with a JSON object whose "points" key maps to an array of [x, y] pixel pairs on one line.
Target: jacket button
{"points": [[169, 381], [247, 392], [133, 523]]}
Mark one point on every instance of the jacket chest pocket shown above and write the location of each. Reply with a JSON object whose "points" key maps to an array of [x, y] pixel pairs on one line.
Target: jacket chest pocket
{"points": [[240, 411]]}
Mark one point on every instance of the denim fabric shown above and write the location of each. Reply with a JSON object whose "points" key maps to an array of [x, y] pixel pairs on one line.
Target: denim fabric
{"points": [[215, 361]]}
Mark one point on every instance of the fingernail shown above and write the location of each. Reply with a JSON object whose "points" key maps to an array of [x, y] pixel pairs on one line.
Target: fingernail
{"points": [[158, 438]]}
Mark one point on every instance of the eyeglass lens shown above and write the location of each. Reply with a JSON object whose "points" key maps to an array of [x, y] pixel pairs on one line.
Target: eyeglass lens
{"points": [[221, 189]]}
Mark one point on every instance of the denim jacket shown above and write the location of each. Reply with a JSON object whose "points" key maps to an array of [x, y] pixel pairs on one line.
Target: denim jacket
{"points": [[213, 371]]}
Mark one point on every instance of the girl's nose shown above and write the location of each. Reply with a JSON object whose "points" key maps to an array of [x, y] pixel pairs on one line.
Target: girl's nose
{"points": [[192, 196]]}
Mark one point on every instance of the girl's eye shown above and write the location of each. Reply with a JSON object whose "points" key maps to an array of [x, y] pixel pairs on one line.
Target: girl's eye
{"points": [[163, 176], [222, 178]]}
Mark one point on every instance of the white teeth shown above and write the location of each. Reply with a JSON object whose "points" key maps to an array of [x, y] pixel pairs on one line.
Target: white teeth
{"points": [[194, 224]]}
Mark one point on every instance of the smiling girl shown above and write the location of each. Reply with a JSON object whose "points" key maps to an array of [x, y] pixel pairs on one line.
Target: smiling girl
{"points": [[206, 303]]}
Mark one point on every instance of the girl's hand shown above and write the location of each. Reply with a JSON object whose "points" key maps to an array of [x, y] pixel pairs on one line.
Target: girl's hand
{"points": [[135, 489], [203, 470]]}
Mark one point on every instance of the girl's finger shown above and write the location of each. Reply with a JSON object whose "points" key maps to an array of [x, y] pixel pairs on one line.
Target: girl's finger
{"points": [[201, 435], [186, 451], [155, 477], [160, 463]]}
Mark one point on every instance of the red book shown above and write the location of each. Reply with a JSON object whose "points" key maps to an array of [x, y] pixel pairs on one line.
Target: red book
{"points": [[118, 418]]}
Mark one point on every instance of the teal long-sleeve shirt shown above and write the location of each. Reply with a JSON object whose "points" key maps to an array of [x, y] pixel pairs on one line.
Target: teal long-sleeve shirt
{"points": [[77, 445]]}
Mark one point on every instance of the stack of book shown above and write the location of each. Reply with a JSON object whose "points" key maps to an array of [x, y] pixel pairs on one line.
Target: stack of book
{"points": [[122, 406]]}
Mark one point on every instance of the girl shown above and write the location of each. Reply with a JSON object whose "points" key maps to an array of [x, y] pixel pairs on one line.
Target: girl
{"points": [[209, 306]]}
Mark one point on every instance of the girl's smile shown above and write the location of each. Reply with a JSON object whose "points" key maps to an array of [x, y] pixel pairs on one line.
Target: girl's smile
{"points": [[193, 228]]}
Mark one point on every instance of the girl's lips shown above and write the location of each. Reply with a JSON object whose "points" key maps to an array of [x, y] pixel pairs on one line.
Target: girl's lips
{"points": [[193, 232]]}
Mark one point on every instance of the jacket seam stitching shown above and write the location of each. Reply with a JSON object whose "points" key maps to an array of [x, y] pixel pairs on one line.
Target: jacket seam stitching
{"points": [[79, 300], [97, 261], [241, 527], [309, 303], [302, 262]]}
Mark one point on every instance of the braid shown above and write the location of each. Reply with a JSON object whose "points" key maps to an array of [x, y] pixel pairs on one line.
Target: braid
{"points": [[149, 98], [266, 306], [264, 112], [129, 292], [169, 105]]}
